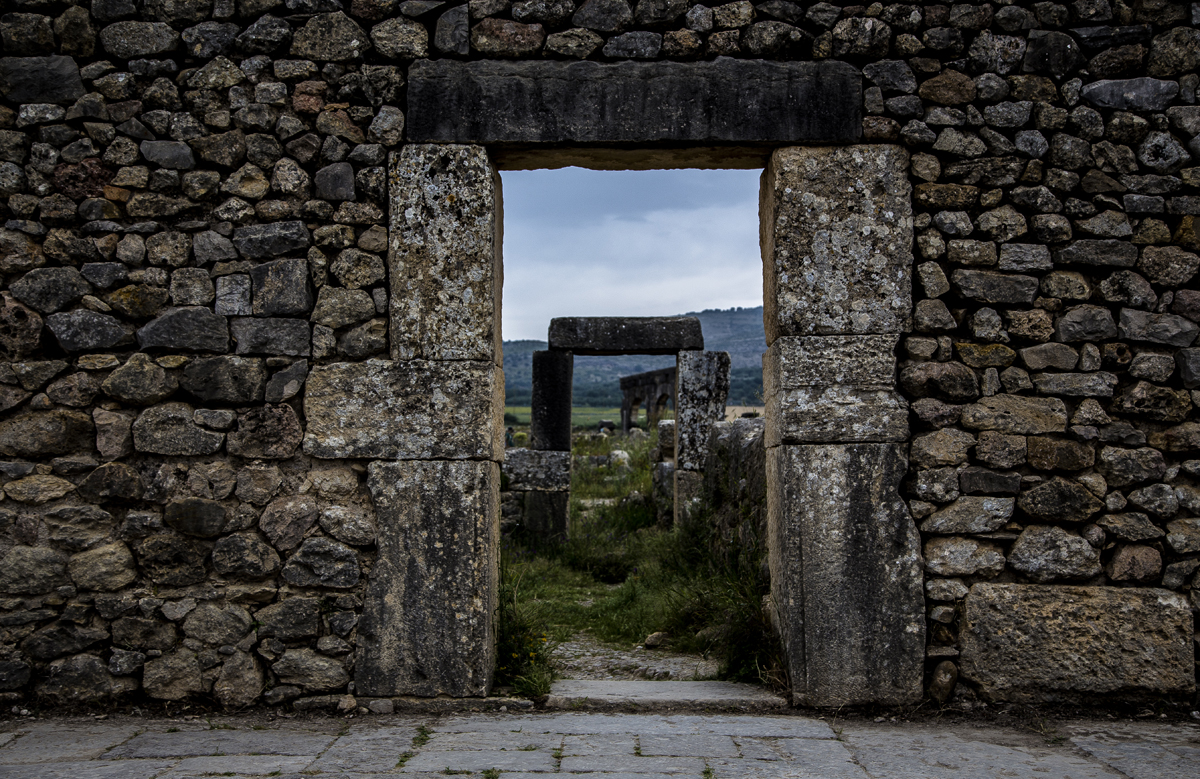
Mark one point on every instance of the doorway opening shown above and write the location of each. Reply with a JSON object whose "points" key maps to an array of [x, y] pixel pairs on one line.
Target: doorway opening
{"points": [[626, 594]]}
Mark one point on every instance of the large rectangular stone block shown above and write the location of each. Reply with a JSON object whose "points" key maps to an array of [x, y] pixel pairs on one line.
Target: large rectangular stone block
{"points": [[836, 241], [701, 389], [605, 335], [428, 623], [1046, 644], [550, 409], [529, 469], [807, 415], [833, 388], [726, 101], [444, 261], [846, 581], [401, 410]]}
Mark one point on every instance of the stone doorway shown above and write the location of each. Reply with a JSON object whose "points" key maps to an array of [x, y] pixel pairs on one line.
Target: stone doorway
{"points": [[836, 238]]}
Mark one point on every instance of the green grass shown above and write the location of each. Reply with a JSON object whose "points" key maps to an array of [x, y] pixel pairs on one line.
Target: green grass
{"points": [[619, 577]]}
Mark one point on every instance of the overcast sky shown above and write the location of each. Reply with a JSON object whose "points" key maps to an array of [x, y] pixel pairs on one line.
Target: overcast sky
{"points": [[629, 243]]}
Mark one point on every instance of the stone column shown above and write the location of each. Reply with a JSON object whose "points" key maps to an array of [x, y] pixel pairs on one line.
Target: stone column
{"points": [[547, 508], [846, 580], [432, 418], [701, 389]]}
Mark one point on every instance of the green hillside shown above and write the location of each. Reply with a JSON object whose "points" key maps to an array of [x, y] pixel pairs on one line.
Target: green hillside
{"points": [[738, 331]]}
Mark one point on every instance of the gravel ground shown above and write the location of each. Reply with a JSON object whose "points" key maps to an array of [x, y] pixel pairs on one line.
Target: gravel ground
{"points": [[583, 657]]}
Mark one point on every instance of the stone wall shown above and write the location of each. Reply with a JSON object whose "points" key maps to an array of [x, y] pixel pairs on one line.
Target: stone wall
{"points": [[196, 277]]}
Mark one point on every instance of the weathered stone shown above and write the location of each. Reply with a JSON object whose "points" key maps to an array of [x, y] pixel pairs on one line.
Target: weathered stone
{"points": [[437, 521], [336, 308], [942, 448], [349, 524], [272, 336], [20, 329], [1016, 414], [28, 570], [1169, 266], [461, 401], [990, 287], [169, 429], [139, 382], [444, 264], [40, 433], [952, 381], [310, 671], [61, 638], [129, 40], [321, 562], [820, 281], [49, 79], [1166, 329], [244, 555], [1147, 400], [529, 469], [1059, 500], [240, 682], [330, 37], [36, 490], [1088, 385], [291, 619], [259, 242], [50, 289], [82, 679], [269, 432], [85, 331], [1089, 641], [957, 556], [196, 517], [1130, 526], [285, 521], [1048, 554], [225, 379], [723, 101], [1139, 564], [170, 559], [215, 624], [172, 677], [111, 481], [834, 514], [190, 328], [1098, 252], [287, 383], [970, 515]]}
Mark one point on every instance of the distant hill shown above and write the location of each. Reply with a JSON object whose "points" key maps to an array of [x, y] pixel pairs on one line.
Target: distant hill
{"points": [[738, 331]]}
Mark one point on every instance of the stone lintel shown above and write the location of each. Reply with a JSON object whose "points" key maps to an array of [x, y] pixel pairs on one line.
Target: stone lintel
{"points": [[444, 258], [846, 580], [730, 101], [1048, 644], [533, 470], [701, 389], [608, 335], [402, 410], [836, 238], [550, 409], [428, 623]]}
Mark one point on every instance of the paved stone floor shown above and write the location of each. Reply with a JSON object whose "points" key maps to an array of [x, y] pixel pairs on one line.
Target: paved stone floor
{"points": [[604, 746]]}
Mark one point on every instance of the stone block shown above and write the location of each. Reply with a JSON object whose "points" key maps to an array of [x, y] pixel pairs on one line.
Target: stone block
{"points": [[846, 579], [406, 409], [550, 413], [438, 522], [836, 241], [272, 336], [725, 101], [607, 335], [529, 469], [701, 389], [687, 495], [832, 360], [831, 414], [822, 389], [52, 79], [444, 257], [1047, 644], [546, 515]]}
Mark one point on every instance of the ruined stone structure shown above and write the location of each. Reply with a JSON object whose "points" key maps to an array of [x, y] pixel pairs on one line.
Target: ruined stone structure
{"points": [[251, 386], [699, 394], [654, 388]]}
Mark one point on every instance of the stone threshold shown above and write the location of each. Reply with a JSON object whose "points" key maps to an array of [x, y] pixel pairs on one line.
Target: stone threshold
{"points": [[595, 695]]}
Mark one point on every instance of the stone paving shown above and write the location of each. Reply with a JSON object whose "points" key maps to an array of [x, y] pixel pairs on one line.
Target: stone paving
{"points": [[602, 746]]}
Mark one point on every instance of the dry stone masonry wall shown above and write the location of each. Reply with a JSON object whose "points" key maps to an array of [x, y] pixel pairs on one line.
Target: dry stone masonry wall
{"points": [[225, 393]]}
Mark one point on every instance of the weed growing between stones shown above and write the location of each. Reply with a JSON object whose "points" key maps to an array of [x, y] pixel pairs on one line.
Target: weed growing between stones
{"points": [[619, 578]]}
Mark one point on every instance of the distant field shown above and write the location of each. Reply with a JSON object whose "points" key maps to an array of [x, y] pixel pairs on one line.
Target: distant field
{"points": [[581, 416]]}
